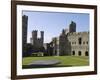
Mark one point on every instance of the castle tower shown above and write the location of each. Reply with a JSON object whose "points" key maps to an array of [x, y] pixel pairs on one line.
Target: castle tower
{"points": [[72, 27], [63, 32], [24, 28], [42, 37], [24, 32], [34, 37]]}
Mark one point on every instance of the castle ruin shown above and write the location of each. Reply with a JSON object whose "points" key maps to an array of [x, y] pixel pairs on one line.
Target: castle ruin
{"points": [[35, 41], [70, 42]]}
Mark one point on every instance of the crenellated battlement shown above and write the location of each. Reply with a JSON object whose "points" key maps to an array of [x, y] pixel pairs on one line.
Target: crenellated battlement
{"points": [[35, 40], [78, 33]]}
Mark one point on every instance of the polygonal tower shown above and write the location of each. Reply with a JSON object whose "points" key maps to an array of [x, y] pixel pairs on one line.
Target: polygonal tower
{"points": [[42, 37], [24, 32], [24, 28], [72, 27], [34, 37]]}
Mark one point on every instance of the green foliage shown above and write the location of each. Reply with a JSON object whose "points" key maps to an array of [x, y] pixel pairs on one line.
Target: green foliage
{"points": [[27, 50]]}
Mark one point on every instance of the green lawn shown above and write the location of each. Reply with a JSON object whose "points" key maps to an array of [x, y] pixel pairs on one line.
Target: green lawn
{"points": [[65, 60]]}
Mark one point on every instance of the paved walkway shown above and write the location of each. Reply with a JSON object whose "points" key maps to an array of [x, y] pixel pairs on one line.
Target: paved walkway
{"points": [[45, 62]]}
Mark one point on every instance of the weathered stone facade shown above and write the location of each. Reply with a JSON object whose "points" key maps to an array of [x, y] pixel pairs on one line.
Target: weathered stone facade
{"points": [[71, 42], [79, 43], [35, 41]]}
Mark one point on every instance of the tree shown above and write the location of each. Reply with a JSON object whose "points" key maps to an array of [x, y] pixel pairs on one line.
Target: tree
{"points": [[27, 50]]}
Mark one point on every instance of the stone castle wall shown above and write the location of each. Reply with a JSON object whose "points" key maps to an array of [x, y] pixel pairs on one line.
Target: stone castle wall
{"points": [[79, 43], [71, 42], [35, 41]]}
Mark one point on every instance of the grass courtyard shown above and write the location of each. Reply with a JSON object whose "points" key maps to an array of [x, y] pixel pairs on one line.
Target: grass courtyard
{"points": [[66, 61]]}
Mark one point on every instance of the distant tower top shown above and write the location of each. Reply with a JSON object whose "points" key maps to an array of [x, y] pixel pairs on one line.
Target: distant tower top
{"points": [[42, 36], [34, 34], [34, 37], [72, 27], [63, 31]]}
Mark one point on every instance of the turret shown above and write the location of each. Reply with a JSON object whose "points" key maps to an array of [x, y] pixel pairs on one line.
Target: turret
{"points": [[34, 36], [42, 37], [72, 27]]}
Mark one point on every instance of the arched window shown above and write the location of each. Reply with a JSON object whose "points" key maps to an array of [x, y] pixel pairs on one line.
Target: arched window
{"points": [[83, 42], [79, 53], [87, 42], [86, 53], [73, 52], [80, 41]]}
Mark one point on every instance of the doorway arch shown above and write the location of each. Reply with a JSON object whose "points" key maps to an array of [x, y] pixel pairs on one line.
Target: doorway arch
{"points": [[86, 53], [79, 53]]}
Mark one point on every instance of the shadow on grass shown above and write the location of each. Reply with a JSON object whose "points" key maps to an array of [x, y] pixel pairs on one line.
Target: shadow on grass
{"points": [[42, 66]]}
